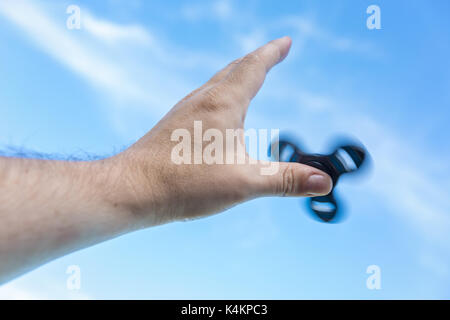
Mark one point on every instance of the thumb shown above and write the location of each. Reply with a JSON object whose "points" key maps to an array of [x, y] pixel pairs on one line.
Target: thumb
{"points": [[292, 179]]}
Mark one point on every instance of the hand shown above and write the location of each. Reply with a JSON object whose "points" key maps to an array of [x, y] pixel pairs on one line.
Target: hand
{"points": [[163, 191], [50, 208]]}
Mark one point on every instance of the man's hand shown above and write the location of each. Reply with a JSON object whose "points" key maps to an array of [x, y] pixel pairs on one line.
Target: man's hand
{"points": [[50, 208], [165, 191]]}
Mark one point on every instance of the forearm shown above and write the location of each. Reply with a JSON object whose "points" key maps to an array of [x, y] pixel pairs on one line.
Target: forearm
{"points": [[50, 208]]}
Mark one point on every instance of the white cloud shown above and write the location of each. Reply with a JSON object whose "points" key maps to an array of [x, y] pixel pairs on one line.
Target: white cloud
{"points": [[303, 30], [65, 47], [313, 101], [404, 183], [222, 9], [218, 10], [150, 77], [113, 32], [402, 178], [250, 41], [307, 29]]}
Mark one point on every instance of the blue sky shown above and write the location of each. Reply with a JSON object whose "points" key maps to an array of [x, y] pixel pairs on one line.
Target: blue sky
{"points": [[100, 88]]}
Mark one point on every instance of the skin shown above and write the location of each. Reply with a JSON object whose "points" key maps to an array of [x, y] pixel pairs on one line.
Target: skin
{"points": [[49, 208]]}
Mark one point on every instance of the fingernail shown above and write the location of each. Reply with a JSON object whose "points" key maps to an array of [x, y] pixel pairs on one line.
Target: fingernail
{"points": [[317, 185]]}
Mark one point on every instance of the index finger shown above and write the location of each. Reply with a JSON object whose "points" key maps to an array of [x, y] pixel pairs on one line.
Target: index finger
{"points": [[247, 77]]}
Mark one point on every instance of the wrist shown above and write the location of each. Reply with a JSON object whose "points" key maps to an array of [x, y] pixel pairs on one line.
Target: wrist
{"points": [[132, 189]]}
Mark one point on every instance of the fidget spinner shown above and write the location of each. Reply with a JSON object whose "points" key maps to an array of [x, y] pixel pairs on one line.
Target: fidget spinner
{"points": [[345, 159]]}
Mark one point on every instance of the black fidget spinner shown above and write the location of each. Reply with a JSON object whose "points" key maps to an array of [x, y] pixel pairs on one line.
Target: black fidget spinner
{"points": [[345, 159]]}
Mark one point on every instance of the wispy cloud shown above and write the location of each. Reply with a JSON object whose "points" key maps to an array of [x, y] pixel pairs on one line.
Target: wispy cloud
{"points": [[304, 30], [307, 29], [113, 33], [146, 71], [70, 51], [131, 65], [216, 10], [249, 41], [408, 185]]}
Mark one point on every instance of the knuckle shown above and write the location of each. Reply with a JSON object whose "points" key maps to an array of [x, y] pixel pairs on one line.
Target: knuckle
{"points": [[212, 100], [234, 63], [288, 181], [221, 97], [252, 59], [254, 64]]}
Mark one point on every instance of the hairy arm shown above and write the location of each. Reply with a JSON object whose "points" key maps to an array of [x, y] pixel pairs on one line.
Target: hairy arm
{"points": [[50, 208]]}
